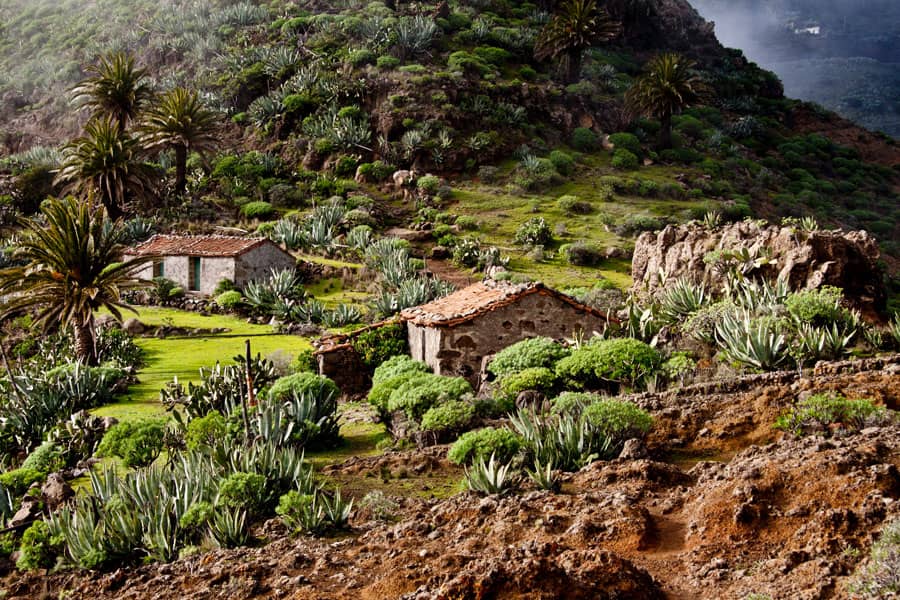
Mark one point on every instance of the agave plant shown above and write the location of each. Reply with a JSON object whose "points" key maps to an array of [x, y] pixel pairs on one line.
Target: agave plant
{"points": [[681, 298], [413, 36], [337, 509], [756, 343], [290, 233], [490, 478], [228, 527], [544, 476], [342, 315], [823, 343]]}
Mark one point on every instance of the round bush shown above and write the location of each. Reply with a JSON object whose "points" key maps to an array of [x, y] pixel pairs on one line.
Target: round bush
{"points": [[206, 431], [571, 205], [618, 420], [563, 162], [137, 443], [530, 353], [534, 232], [421, 392], [541, 379], [583, 254], [428, 184], [584, 140], [387, 62], [626, 141], [303, 383], [454, 415], [481, 444], [624, 160], [257, 209], [572, 402], [243, 491], [398, 365], [622, 360], [229, 300]]}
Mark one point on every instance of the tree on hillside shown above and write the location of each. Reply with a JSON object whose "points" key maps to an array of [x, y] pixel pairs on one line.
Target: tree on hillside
{"points": [[576, 26], [104, 165], [70, 270], [178, 120], [668, 85], [117, 89]]}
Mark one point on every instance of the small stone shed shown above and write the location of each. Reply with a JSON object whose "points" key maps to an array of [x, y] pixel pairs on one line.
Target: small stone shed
{"points": [[455, 333], [198, 263]]}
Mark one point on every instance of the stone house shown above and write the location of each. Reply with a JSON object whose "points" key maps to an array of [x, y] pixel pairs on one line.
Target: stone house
{"points": [[198, 262], [455, 333]]}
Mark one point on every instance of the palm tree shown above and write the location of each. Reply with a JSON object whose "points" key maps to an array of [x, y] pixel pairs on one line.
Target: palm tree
{"points": [[578, 25], [70, 271], [104, 165], [668, 85], [116, 89], [180, 121]]}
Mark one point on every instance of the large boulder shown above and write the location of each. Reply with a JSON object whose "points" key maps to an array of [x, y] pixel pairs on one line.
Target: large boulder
{"points": [[807, 260]]}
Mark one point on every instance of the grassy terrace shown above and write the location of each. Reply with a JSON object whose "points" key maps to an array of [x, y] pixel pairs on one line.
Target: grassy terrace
{"points": [[183, 356]]}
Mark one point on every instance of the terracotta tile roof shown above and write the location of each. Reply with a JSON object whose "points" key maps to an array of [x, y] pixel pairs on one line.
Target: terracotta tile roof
{"points": [[473, 301], [195, 245]]}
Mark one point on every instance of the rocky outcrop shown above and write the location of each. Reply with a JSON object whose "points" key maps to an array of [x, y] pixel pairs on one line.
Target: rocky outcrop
{"points": [[807, 260]]}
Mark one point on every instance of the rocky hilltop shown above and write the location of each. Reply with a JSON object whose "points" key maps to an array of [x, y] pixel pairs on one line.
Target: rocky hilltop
{"points": [[806, 259]]}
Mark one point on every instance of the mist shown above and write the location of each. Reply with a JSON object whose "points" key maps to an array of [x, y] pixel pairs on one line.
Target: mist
{"points": [[843, 54]]}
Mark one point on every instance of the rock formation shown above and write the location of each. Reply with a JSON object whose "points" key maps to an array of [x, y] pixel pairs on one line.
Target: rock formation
{"points": [[807, 260]]}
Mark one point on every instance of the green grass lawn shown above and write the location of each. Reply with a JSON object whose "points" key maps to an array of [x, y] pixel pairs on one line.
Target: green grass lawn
{"points": [[182, 357]]}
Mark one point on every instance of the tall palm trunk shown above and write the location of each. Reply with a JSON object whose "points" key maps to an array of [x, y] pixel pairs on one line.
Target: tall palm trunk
{"points": [[180, 168], [573, 64], [665, 131], [85, 347]]}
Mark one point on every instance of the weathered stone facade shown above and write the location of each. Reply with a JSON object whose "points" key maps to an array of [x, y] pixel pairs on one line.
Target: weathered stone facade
{"points": [[453, 337], [198, 263]]}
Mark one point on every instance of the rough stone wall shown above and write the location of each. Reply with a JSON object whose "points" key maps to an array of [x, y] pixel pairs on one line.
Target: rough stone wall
{"points": [[848, 260], [256, 264], [343, 365], [459, 350]]}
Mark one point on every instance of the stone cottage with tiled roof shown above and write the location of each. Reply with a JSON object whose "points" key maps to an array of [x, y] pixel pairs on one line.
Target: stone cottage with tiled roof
{"points": [[455, 333], [198, 262]]}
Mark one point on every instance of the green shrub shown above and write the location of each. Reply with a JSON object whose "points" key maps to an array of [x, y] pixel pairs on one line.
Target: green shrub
{"points": [[46, 458], [481, 444], [534, 232], [618, 420], [196, 516], [206, 431], [622, 360], [428, 184], [258, 209], [584, 140], [818, 307], [624, 160], [626, 141], [229, 300], [19, 480], [492, 54], [137, 443], [572, 403], [361, 57], [419, 393], [398, 365], [563, 162], [376, 346], [245, 491], [37, 551], [820, 413], [527, 73], [467, 223], [879, 577], [571, 205], [300, 384], [534, 378], [530, 353], [454, 415], [583, 254], [387, 62]]}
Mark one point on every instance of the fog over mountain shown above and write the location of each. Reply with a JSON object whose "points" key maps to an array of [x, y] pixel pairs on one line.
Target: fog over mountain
{"points": [[843, 54]]}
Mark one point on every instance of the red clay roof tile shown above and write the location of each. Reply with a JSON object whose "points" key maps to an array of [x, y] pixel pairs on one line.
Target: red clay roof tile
{"points": [[195, 245]]}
